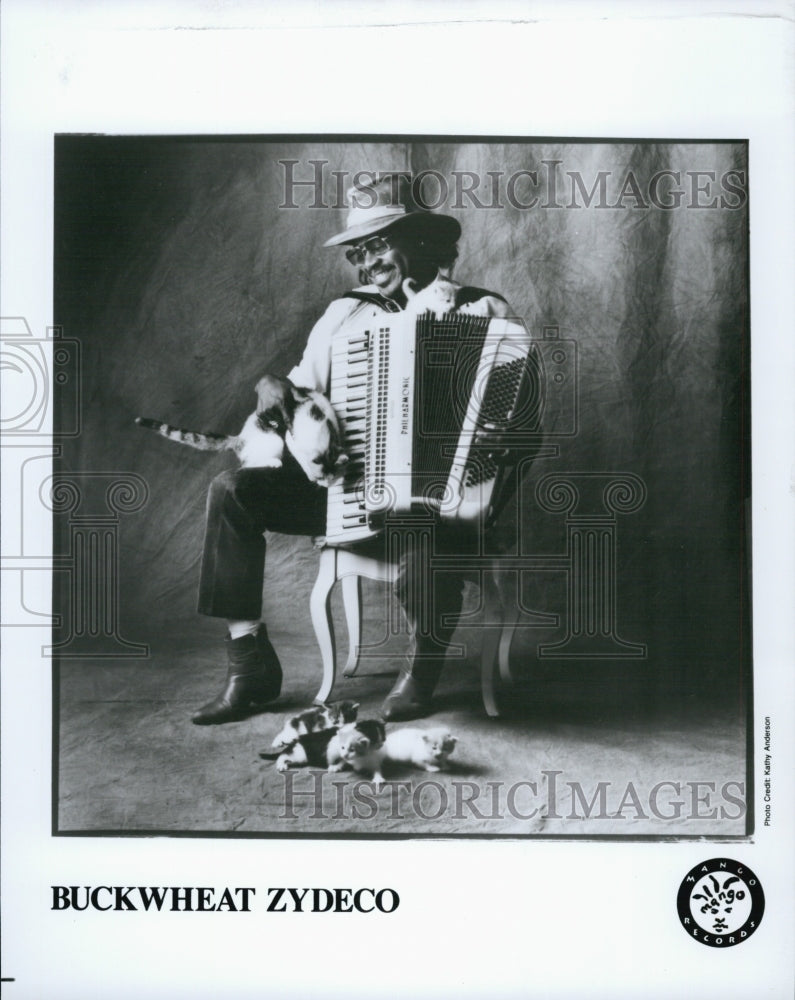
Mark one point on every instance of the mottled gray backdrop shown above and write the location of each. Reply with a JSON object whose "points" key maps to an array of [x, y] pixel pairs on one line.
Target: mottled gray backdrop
{"points": [[184, 281]]}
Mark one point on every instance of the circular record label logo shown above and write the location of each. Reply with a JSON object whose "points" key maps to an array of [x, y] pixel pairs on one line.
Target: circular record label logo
{"points": [[720, 902]]}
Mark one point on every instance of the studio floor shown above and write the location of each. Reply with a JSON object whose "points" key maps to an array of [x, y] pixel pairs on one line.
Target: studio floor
{"points": [[593, 751]]}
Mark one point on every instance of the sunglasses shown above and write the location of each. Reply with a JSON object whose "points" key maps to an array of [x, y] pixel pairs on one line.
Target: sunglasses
{"points": [[375, 245]]}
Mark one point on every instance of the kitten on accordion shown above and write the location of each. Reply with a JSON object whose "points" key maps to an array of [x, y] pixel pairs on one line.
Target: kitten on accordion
{"points": [[438, 297], [301, 419]]}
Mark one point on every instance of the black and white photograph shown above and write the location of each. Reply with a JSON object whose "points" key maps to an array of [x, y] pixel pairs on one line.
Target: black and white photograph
{"points": [[482, 532], [397, 506]]}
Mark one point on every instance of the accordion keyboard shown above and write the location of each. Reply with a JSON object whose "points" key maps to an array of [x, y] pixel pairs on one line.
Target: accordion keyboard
{"points": [[346, 518]]}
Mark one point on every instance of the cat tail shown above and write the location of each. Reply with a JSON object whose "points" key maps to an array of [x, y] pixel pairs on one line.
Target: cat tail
{"points": [[271, 754], [203, 442]]}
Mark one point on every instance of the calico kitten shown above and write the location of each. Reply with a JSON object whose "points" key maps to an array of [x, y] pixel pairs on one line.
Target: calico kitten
{"points": [[360, 746], [314, 720], [309, 750], [429, 749], [304, 420], [356, 745]]}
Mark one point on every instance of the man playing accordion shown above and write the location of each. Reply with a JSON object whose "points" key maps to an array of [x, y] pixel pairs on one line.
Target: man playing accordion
{"points": [[398, 248]]}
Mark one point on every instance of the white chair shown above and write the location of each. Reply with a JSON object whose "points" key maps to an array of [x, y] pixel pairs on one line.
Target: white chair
{"points": [[349, 566]]}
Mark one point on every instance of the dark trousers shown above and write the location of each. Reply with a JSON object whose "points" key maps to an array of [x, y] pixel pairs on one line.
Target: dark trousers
{"points": [[431, 597], [242, 504]]}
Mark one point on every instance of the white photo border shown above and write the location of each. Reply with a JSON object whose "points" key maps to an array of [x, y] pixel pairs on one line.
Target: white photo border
{"points": [[557, 919]]}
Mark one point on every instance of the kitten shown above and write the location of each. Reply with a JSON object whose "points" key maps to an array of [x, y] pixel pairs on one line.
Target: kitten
{"points": [[360, 746], [438, 297], [318, 749], [304, 421], [425, 748], [314, 720], [356, 745]]}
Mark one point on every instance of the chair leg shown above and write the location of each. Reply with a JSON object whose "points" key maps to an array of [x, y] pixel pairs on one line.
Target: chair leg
{"points": [[506, 611], [497, 641], [491, 644], [352, 602], [320, 610], [506, 639], [487, 671]]}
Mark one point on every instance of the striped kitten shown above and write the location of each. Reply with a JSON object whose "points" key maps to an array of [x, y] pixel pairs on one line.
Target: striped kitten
{"points": [[304, 421]]}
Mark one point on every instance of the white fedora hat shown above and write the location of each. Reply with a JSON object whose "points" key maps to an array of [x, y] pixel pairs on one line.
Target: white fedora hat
{"points": [[389, 202]]}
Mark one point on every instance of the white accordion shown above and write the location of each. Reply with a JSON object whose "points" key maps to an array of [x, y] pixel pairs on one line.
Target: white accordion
{"points": [[413, 395]]}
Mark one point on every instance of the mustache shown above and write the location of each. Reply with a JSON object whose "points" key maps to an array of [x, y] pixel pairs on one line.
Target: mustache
{"points": [[382, 269]]}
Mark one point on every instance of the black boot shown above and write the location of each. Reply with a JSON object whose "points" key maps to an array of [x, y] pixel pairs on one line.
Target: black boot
{"points": [[253, 679], [430, 603], [410, 698]]}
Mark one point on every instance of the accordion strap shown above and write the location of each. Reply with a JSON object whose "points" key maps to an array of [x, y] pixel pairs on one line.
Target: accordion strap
{"points": [[463, 297], [374, 299]]}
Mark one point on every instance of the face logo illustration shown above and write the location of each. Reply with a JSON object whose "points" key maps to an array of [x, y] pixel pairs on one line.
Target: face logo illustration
{"points": [[720, 902]]}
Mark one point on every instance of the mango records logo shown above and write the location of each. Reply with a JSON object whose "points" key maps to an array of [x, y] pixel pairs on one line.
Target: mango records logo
{"points": [[720, 902]]}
